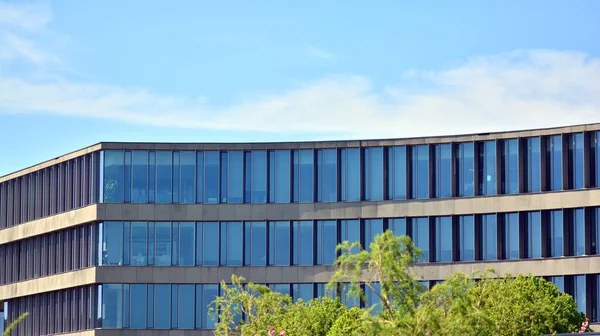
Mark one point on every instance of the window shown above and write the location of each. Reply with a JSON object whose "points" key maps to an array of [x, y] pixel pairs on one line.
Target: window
{"points": [[139, 243], [443, 170], [466, 227], [209, 294], [595, 224], [396, 165], [185, 307], [579, 293], [533, 165], [162, 306], [224, 176], [534, 234], [347, 299], [327, 175], [139, 192], [510, 173], [465, 161], [554, 152], [256, 243], [576, 161], [303, 242], [373, 228], [420, 236], [231, 243], [236, 177], [350, 232], [114, 178], [578, 222], [187, 243], [280, 288], [443, 239], [256, 177], [374, 174], [210, 243], [420, 171], [350, 174], [176, 177], [211, 177], [164, 163], [397, 226], [163, 244], [304, 171], [279, 243], [112, 306], [305, 292], [489, 234], [487, 168], [372, 297], [326, 242], [138, 307], [112, 243], [187, 177], [556, 233], [279, 175], [511, 236], [595, 161], [558, 281]]}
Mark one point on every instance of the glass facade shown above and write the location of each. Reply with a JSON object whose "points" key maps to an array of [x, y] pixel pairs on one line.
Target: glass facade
{"points": [[556, 233], [487, 168], [466, 229], [397, 173], [465, 169], [374, 174], [533, 165], [489, 237], [350, 174], [555, 158], [443, 170], [443, 239], [534, 234], [511, 236], [510, 166]]}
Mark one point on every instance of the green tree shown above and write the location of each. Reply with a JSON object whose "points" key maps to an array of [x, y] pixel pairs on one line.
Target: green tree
{"points": [[351, 323], [14, 324]]}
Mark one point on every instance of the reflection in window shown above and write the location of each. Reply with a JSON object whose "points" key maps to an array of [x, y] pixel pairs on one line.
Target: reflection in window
{"points": [[374, 174], [302, 291], [576, 160], [139, 185], [511, 236], [489, 234], [420, 171], [112, 306], [187, 177], [209, 294], [303, 242], [420, 236], [350, 232], [186, 243], [231, 247], [466, 227], [443, 238], [256, 243], [397, 226], [279, 176], [279, 243], [350, 172], [443, 170], [554, 152], [487, 170], [139, 245], [164, 183], [349, 300], [126, 243], [114, 179], [534, 234], [211, 177], [579, 293], [556, 233], [578, 231], [327, 175], [163, 244], [396, 170], [112, 243], [373, 228], [510, 167], [304, 171], [533, 167], [326, 242], [465, 165]]}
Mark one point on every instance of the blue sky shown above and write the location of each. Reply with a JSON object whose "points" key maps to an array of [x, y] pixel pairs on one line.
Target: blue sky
{"points": [[73, 73]]}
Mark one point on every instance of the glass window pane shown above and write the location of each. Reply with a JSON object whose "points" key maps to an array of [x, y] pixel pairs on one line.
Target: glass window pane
{"points": [[534, 234], [511, 235], [139, 252], [580, 294], [467, 238], [198, 305], [397, 226], [209, 294], [554, 151], [200, 177], [256, 243], [595, 173], [487, 164], [231, 243], [578, 232], [139, 192], [576, 159], [224, 176], [420, 171], [112, 306], [302, 291], [350, 232], [396, 183], [186, 243], [176, 179], [186, 307], [114, 178], [164, 162], [533, 165], [350, 174], [152, 177], [211, 177], [372, 297], [559, 281], [279, 173], [279, 243], [465, 158], [373, 228], [556, 233], [374, 174], [443, 239], [188, 175], [150, 308], [489, 232], [326, 242], [162, 306], [510, 177], [259, 177], [443, 170], [126, 243], [138, 306], [303, 175], [211, 243], [112, 243], [327, 175], [236, 177], [420, 236], [303, 243], [163, 244]]}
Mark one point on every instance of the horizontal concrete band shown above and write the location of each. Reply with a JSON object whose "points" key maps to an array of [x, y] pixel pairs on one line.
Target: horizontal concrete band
{"points": [[285, 274], [304, 211]]}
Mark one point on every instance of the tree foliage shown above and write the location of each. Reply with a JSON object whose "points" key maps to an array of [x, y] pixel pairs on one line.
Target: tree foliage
{"points": [[14, 324]]}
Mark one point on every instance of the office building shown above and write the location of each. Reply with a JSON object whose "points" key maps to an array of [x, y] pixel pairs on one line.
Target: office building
{"points": [[133, 238]]}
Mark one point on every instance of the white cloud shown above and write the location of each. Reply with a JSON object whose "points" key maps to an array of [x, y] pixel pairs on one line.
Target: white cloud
{"points": [[320, 53], [516, 90]]}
